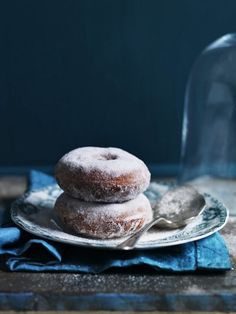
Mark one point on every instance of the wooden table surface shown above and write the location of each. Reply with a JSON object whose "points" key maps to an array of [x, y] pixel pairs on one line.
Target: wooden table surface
{"points": [[136, 289]]}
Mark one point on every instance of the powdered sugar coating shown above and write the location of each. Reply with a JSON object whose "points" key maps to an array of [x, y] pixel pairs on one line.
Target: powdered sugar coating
{"points": [[99, 174], [102, 220], [111, 161]]}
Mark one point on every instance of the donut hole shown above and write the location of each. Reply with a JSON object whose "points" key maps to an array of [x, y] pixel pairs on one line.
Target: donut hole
{"points": [[108, 156]]}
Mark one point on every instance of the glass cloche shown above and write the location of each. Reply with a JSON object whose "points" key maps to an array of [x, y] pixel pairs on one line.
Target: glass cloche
{"points": [[209, 126]]}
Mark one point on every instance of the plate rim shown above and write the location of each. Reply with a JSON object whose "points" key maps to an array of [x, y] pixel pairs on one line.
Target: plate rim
{"points": [[15, 217]]}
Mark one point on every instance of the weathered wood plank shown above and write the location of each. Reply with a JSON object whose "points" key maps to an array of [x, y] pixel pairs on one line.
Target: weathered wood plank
{"points": [[12, 186], [110, 312]]}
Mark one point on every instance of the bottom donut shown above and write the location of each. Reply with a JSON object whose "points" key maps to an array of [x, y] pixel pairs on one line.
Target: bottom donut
{"points": [[103, 220]]}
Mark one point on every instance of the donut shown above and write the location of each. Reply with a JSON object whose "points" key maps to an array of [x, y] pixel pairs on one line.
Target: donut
{"points": [[102, 220], [96, 174]]}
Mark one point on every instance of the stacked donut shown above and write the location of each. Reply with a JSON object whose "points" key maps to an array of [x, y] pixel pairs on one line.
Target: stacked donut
{"points": [[102, 192]]}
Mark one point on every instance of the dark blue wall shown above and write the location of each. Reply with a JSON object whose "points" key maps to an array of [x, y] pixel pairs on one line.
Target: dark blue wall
{"points": [[101, 72]]}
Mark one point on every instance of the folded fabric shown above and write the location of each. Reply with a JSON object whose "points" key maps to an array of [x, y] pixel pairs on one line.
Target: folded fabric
{"points": [[25, 252]]}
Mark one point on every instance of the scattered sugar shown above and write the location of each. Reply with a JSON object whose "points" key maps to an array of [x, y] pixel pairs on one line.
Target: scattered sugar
{"points": [[176, 201]]}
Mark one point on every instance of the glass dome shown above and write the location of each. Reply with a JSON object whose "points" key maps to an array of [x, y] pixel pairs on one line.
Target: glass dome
{"points": [[209, 125]]}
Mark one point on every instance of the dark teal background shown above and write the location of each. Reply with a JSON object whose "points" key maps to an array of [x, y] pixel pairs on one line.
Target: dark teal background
{"points": [[101, 72]]}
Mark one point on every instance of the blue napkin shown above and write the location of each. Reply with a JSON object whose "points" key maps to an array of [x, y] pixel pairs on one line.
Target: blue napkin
{"points": [[22, 251]]}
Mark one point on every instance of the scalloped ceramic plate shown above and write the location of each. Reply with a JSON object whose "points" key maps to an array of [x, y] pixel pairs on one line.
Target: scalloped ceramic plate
{"points": [[34, 213]]}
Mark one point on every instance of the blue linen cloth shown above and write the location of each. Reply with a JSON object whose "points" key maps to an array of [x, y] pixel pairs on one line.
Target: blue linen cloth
{"points": [[22, 251]]}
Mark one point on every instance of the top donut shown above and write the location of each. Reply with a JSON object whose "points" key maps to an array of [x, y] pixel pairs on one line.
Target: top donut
{"points": [[96, 174]]}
